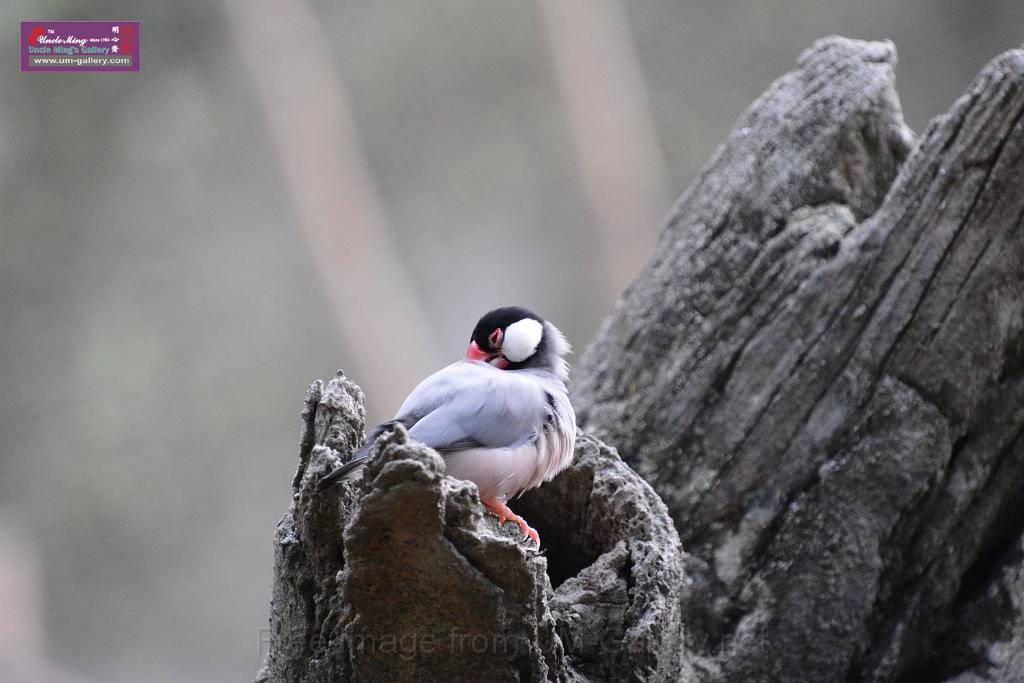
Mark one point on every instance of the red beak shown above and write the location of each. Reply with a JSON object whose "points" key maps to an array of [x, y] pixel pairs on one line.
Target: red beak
{"points": [[474, 352]]}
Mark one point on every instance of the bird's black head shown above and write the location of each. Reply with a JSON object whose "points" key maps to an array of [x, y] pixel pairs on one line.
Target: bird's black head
{"points": [[508, 338]]}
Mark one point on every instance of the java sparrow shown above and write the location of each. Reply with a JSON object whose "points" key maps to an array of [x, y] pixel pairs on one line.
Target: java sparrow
{"points": [[500, 417]]}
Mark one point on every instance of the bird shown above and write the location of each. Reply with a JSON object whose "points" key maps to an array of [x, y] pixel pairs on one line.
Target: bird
{"points": [[500, 417]]}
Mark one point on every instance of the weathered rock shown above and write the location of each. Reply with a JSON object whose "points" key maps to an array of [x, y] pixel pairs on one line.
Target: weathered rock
{"points": [[826, 388], [401, 576], [308, 550], [617, 566], [988, 644]]}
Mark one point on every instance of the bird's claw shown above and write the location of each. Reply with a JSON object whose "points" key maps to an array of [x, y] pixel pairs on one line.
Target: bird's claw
{"points": [[504, 514], [529, 532]]}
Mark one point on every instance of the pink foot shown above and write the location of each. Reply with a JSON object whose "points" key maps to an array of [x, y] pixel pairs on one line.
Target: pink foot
{"points": [[504, 514]]}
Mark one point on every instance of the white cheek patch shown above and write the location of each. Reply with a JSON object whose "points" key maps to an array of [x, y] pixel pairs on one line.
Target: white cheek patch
{"points": [[521, 339]]}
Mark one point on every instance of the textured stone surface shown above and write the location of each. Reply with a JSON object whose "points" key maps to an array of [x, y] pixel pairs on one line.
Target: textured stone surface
{"points": [[988, 643], [617, 564], [821, 374], [402, 576]]}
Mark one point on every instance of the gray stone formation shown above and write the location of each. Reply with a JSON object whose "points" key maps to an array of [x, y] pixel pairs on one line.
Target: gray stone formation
{"points": [[402, 576]]}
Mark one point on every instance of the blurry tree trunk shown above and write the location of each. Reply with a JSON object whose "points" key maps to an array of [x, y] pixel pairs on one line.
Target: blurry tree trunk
{"points": [[609, 117], [821, 372], [344, 226]]}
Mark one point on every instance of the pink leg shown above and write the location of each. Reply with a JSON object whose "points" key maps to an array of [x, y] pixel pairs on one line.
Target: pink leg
{"points": [[503, 513]]}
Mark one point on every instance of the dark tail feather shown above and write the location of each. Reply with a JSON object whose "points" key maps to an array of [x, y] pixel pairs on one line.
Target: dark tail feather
{"points": [[350, 469], [346, 471]]}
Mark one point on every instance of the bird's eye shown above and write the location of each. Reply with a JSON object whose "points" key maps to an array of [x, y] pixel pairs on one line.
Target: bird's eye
{"points": [[495, 339]]}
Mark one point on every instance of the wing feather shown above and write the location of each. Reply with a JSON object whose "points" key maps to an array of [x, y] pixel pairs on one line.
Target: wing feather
{"points": [[472, 404]]}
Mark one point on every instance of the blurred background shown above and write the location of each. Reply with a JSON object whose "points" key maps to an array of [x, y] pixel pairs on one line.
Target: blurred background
{"points": [[287, 188]]}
